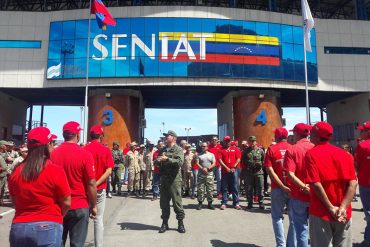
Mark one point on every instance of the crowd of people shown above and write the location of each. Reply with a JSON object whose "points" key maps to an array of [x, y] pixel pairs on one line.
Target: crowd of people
{"points": [[58, 187]]}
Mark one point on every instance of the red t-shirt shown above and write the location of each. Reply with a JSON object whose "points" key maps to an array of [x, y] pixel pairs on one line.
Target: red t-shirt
{"points": [[155, 155], [363, 162], [275, 159], [78, 165], [215, 150], [126, 150], [229, 157], [38, 200], [294, 162], [333, 168], [103, 160]]}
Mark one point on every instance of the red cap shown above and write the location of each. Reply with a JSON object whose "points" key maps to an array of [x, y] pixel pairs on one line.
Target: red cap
{"points": [[227, 138], [281, 133], [302, 129], [73, 127], [97, 129], [323, 129], [364, 126], [39, 136], [233, 143]]}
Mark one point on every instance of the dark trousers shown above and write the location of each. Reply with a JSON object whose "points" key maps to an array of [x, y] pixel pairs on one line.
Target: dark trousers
{"points": [[230, 181], [76, 223], [171, 190]]}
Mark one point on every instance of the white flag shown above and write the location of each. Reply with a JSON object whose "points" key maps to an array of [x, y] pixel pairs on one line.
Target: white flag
{"points": [[308, 23], [54, 71]]}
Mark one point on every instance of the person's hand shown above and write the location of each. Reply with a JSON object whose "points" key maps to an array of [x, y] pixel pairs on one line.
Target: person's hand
{"points": [[334, 212], [342, 215], [228, 170], [205, 170], [162, 158], [286, 189], [232, 170], [93, 212], [306, 189]]}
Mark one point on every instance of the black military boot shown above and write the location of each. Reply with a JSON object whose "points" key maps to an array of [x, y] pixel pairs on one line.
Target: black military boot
{"points": [[200, 206], [164, 226], [181, 228], [128, 193], [119, 190], [261, 206], [250, 206], [210, 206]]}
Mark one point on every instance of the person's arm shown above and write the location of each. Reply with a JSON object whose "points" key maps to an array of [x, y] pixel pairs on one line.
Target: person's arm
{"points": [[274, 177], [213, 163], [91, 195], [323, 197], [104, 177], [65, 204], [350, 193], [295, 180], [236, 163], [223, 164]]}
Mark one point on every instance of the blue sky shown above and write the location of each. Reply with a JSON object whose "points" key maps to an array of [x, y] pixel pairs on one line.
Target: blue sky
{"points": [[201, 122]]}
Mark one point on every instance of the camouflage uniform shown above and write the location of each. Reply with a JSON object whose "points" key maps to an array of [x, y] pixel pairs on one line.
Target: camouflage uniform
{"points": [[132, 160], [253, 159], [205, 181], [3, 177], [187, 173], [171, 181], [117, 170], [148, 161]]}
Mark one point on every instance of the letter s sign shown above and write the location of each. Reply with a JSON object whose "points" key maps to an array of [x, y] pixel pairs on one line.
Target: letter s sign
{"points": [[108, 114]]}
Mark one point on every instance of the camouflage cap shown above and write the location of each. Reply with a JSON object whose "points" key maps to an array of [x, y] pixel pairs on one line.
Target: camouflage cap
{"points": [[252, 138], [6, 143], [171, 133], [10, 143], [133, 144], [116, 143]]}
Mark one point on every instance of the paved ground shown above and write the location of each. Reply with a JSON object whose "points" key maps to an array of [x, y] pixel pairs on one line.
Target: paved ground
{"points": [[135, 222]]}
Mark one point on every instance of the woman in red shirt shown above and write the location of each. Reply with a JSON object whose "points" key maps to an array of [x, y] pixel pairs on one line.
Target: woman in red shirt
{"points": [[41, 195]]}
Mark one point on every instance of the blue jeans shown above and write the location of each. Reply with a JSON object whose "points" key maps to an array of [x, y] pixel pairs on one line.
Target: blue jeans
{"points": [[280, 199], [229, 180], [195, 181], [237, 173], [217, 173], [41, 233], [365, 199], [75, 223], [125, 177], [156, 180], [299, 212]]}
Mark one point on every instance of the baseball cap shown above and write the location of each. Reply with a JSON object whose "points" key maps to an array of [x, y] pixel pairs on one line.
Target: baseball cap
{"points": [[323, 129], [39, 136], [73, 127], [227, 138], [364, 126], [281, 133], [97, 129], [170, 133], [252, 138], [302, 129]]}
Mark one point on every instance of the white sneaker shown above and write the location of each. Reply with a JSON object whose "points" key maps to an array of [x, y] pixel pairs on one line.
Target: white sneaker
{"points": [[109, 195]]}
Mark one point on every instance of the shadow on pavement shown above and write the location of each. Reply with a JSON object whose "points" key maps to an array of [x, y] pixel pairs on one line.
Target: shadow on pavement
{"points": [[219, 243], [137, 226]]}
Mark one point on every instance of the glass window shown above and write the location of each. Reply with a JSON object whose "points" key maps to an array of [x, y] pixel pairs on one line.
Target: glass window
{"points": [[79, 67], [67, 49], [180, 68], [298, 35], [123, 68], [138, 26], [275, 31], [250, 70], [287, 52], [298, 53], [249, 27], [262, 28], [54, 69], [81, 31], [236, 27], [108, 67], [165, 69], [54, 50], [222, 26], [56, 31], [69, 29], [288, 69], [151, 26], [195, 25], [124, 25], [286, 34], [94, 68], [80, 48], [208, 25], [299, 71], [180, 25], [166, 24], [148, 66]]}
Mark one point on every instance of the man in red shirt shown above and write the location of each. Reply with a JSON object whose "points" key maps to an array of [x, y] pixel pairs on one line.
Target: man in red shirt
{"points": [[332, 179], [156, 173], [78, 165], [104, 164], [214, 148], [280, 191], [362, 157], [229, 158], [296, 170]]}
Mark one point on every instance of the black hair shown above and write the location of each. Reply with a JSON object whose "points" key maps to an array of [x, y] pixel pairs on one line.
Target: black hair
{"points": [[35, 162], [94, 136], [68, 135]]}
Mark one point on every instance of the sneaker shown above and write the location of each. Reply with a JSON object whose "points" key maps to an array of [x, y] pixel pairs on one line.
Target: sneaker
{"points": [[114, 191], [255, 198], [219, 196], [109, 195], [230, 197], [199, 207], [210, 206], [223, 207], [250, 206], [237, 207], [261, 206], [154, 198]]}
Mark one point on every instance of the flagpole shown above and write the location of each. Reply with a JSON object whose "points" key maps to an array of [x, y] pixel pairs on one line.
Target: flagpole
{"points": [[85, 125], [308, 118]]}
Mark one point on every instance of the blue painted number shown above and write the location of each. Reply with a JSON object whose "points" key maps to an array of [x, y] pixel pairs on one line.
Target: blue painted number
{"points": [[108, 117], [262, 117]]}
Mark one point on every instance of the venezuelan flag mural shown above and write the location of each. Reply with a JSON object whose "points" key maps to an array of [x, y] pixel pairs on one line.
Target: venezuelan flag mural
{"points": [[181, 47]]}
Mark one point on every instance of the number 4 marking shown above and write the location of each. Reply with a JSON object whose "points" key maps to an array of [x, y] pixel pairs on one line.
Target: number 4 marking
{"points": [[262, 117]]}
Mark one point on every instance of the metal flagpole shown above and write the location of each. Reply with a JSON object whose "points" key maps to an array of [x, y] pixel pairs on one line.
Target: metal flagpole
{"points": [[86, 113], [308, 118]]}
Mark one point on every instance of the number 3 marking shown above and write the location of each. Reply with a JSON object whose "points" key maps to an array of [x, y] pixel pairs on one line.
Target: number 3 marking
{"points": [[262, 117], [108, 117]]}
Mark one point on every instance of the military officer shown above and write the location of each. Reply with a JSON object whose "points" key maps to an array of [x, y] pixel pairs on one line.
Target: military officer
{"points": [[148, 161], [253, 158], [118, 167], [187, 173], [132, 160], [142, 167], [169, 160]]}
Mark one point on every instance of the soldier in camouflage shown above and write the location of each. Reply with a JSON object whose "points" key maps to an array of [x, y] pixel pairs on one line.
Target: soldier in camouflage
{"points": [[118, 168], [253, 158], [169, 161]]}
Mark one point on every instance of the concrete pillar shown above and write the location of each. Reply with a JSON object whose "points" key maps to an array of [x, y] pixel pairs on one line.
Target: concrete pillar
{"points": [[247, 113], [119, 112]]}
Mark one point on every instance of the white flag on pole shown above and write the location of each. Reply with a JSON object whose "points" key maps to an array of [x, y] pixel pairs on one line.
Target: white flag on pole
{"points": [[308, 23]]}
